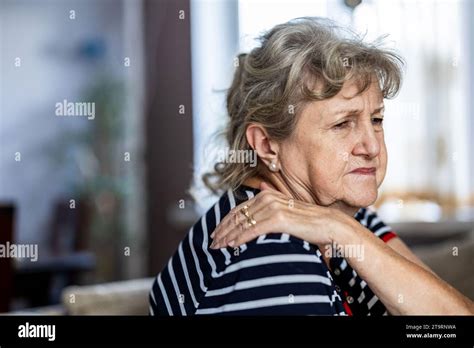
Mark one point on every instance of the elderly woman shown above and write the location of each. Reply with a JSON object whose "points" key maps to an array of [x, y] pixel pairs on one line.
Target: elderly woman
{"points": [[293, 235]]}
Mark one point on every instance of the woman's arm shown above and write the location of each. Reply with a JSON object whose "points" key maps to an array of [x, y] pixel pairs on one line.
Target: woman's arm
{"points": [[403, 285], [400, 247]]}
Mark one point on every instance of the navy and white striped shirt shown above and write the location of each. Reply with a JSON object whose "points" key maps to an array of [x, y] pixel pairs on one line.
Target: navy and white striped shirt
{"points": [[276, 274]]}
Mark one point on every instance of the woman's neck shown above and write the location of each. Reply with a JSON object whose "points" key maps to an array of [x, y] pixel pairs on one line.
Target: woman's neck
{"points": [[277, 183]]}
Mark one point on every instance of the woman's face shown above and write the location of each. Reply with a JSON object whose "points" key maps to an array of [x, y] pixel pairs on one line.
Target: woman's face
{"points": [[337, 152]]}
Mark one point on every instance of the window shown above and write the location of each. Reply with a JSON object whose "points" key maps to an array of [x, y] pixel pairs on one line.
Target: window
{"points": [[427, 127]]}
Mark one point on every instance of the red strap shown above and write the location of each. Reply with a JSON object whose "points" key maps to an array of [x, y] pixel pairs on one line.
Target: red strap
{"points": [[347, 308], [346, 305], [387, 236]]}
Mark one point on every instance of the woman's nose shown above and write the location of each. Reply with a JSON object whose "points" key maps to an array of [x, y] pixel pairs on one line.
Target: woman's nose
{"points": [[367, 142]]}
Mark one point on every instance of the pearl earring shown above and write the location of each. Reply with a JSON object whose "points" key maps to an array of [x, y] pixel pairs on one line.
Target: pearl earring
{"points": [[273, 167]]}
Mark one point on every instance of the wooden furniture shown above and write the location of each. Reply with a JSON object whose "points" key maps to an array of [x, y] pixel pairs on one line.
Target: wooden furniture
{"points": [[7, 220], [41, 282]]}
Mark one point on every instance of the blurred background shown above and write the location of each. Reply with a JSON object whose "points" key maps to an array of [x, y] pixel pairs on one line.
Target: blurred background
{"points": [[109, 115]]}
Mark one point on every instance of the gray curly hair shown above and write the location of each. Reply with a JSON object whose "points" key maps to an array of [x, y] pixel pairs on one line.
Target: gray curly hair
{"points": [[276, 79]]}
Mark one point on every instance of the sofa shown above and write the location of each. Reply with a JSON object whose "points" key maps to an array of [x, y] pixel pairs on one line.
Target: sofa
{"points": [[130, 297]]}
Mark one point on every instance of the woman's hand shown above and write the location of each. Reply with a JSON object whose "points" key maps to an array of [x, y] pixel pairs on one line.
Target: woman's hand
{"points": [[422, 292], [271, 211]]}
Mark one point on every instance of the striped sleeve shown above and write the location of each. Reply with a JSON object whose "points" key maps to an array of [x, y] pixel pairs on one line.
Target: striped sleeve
{"points": [[374, 223], [273, 279]]}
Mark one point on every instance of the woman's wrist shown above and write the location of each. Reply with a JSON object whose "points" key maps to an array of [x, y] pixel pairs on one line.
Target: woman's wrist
{"points": [[344, 229]]}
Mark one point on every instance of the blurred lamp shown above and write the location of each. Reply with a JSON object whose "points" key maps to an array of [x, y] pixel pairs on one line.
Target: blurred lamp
{"points": [[352, 3]]}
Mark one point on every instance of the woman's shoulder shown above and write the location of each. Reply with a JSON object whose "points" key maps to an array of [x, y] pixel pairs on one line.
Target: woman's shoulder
{"points": [[274, 242], [369, 218]]}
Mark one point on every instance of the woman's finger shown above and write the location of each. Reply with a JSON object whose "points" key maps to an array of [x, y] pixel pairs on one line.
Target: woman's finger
{"points": [[268, 219], [262, 227], [241, 225], [235, 215], [225, 224], [245, 227], [255, 231], [236, 222], [230, 218], [248, 232]]}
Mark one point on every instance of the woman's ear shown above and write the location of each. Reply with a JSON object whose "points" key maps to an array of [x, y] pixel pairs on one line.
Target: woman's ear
{"points": [[266, 149]]}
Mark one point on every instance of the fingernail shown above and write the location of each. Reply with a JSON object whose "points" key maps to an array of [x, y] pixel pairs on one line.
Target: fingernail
{"points": [[213, 234], [231, 243]]}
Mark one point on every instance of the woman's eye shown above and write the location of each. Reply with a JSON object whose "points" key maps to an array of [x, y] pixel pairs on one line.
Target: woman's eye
{"points": [[377, 121], [341, 125]]}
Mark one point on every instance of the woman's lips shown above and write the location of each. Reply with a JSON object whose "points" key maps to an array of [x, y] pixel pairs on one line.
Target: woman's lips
{"points": [[364, 171]]}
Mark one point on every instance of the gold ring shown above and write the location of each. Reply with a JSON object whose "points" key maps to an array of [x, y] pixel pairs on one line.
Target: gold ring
{"points": [[251, 221], [245, 211]]}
